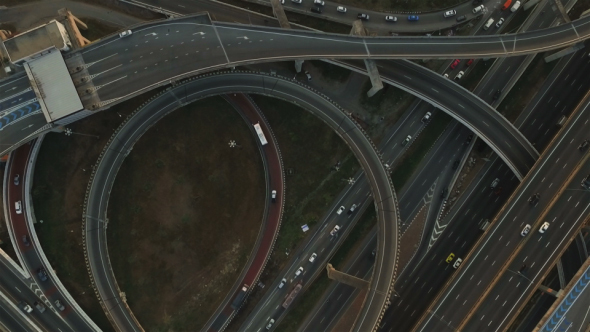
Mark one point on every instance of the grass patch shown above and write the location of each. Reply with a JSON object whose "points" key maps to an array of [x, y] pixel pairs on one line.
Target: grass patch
{"points": [[97, 29], [384, 108], [309, 148], [404, 169], [184, 214], [526, 87], [310, 298], [331, 72], [478, 70]]}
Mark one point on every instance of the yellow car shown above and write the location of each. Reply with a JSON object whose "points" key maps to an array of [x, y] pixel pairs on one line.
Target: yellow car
{"points": [[450, 258]]}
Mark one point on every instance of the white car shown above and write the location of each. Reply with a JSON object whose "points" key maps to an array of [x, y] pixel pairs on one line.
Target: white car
{"points": [[270, 322], [450, 13], [335, 230], [319, 2], [457, 263], [299, 271], [273, 196], [407, 140], [312, 258], [499, 24], [426, 117], [341, 9], [283, 282], [297, 1], [446, 75], [125, 33], [390, 18], [525, 230], [544, 227], [459, 75], [18, 207], [340, 209]]}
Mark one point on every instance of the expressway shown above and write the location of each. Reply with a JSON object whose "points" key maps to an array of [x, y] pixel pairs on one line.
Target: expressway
{"points": [[429, 21], [208, 85], [121, 70], [29, 252], [503, 239]]}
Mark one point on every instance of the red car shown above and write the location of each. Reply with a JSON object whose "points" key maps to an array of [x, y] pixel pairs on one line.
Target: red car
{"points": [[455, 63], [469, 62]]}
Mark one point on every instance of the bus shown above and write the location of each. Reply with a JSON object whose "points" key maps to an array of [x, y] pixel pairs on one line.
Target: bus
{"points": [[263, 140]]}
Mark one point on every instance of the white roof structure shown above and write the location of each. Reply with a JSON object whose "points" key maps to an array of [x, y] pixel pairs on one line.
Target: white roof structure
{"points": [[53, 85]]}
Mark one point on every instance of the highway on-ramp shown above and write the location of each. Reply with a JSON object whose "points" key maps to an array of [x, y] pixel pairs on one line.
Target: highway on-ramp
{"points": [[213, 84]]}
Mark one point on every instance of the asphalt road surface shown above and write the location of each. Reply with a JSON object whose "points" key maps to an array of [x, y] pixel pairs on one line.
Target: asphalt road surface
{"points": [[31, 254], [274, 175], [250, 83], [504, 237]]}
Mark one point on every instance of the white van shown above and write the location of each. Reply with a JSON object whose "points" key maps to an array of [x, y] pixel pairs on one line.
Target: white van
{"points": [[478, 9], [515, 6], [488, 24]]}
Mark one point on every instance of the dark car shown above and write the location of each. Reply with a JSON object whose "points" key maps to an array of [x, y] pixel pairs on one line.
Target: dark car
{"points": [[316, 10], [584, 145], [497, 94], [26, 241], [476, 2], [17, 179], [444, 193], [461, 18], [456, 164], [413, 18], [469, 139], [534, 199], [363, 17], [42, 274]]}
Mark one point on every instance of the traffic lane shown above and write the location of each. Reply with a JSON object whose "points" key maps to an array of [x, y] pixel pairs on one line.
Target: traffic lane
{"points": [[275, 179], [459, 237], [456, 101], [341, 294], [16, 99], [324, 245], [218, 11], [30, 253], [9, 320], [535, 254], [17, 289], [16, 133], [557, 151], [569, 89], [14, 85]]}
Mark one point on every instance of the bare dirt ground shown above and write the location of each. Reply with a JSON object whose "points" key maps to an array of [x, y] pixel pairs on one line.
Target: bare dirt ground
{"points": [[61, 176], [5, 243], [184, 214]]}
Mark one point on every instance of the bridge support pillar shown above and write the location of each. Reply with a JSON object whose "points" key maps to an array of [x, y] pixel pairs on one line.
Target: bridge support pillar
{"points": [[359, 30], [550, 291], [562, 11], [346, 278], [571, 49], [298, 65], [279, 13]]}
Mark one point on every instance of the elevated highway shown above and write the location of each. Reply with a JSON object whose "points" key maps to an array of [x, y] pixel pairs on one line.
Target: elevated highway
{"points": [[122, 142]]}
